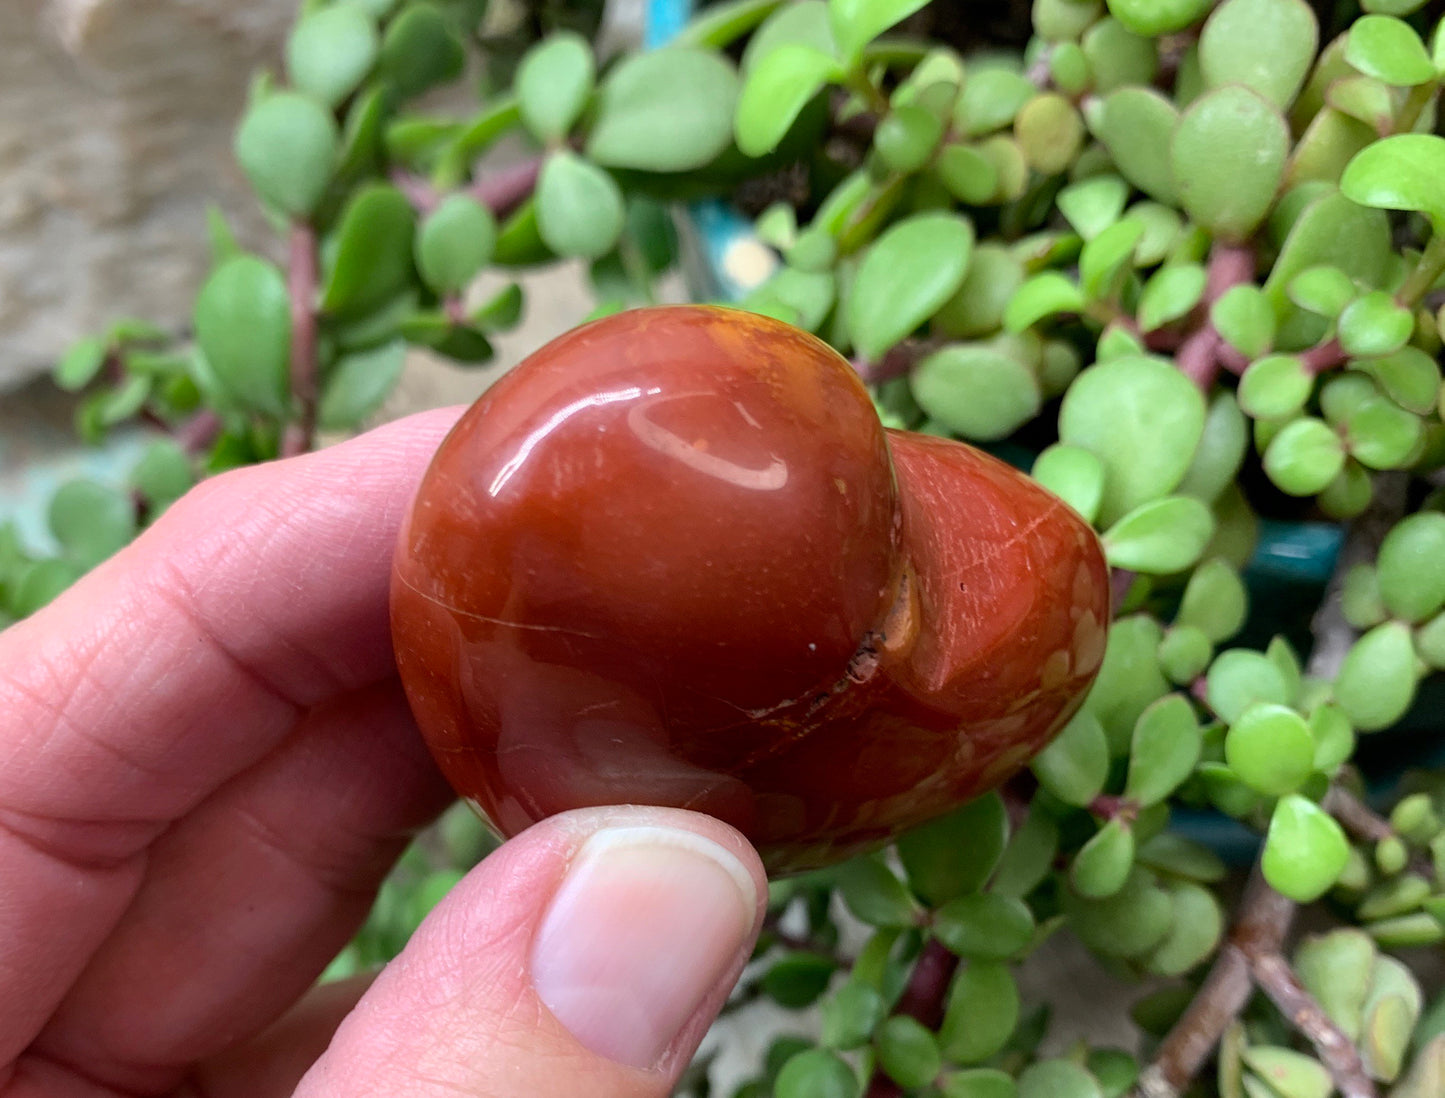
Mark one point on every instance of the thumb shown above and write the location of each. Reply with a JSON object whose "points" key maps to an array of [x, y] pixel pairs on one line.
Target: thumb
{"points": [[586, 956]]}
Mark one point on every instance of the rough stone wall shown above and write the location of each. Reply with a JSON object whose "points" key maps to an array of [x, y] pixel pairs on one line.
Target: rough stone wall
{"points": [[115, 129]]}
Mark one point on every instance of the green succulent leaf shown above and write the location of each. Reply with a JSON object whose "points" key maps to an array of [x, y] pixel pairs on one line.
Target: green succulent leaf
{"points": [[977, 308], [905, 277], [243, 327], [1143, 419], [816, 1073], [1275, 386], [775, 92], [798, 980], [454, 243], [850, 1015], [908, 1051], [1290, 1074], [1075, 765], [1245, 319], [981, 1013], [907, 137], [1057, 1079], [1376, 682], [420, 49], [372, 260], [358, 384], [1044, 295], [1184, 653], [1239, 678], [685, 129], [1228, 158], [1162, 536], [330, 51], [580, 211], [1221, 450], [1400, 172], [855, 23], [1152, 18], [984, 926], [1304, 851], [1116, 57], [81, 364], [1073, 474], [1337, 969], [872, 892], [90, 520], [1411, 567], [287, 145], [1138, 127], [1170, 293], [957, 853], [553, 83], [976, 391], [1374, 324], [990, 100], [1304, 457], [1271, 749], [1165, 747], [1322, 290], [979, 1083], [1103, 864], [1381, 434], [1389, 50], [1265, 45], [1194, 931], [163, 474], [1409, 376]]}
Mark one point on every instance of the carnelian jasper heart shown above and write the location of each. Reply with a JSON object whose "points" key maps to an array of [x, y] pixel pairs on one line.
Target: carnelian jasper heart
{"points": [[673, 558]]}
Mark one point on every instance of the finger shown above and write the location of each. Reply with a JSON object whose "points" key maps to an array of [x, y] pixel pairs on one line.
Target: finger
{"points": [[587, 956], [172, 668], [247, 899]]}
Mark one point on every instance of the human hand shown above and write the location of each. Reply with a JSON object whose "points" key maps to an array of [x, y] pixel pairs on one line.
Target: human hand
{"points": [[207, 766]]}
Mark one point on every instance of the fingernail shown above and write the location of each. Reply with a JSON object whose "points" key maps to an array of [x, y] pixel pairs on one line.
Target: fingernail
{"points": [[644, 925]]}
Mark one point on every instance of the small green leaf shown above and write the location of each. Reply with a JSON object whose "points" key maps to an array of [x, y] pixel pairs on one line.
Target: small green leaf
{"points": [[1239, 678], [977, 308], [1305, 851], [1194, 931], [1046, 294], [79, 365], [1374, 324], [372, 260], [685, 129], [1075, 765], [90, 520], [1221, 450], [1400, 172], [908, 273], [1102, 865], [1117, 57], [1153, 18], [330, 51], [850, 1015], [1266, 45], [41, 583], [775, 92], [420, 49], [579, 206], [984, 926], [1376, 682], [1304, 457], [1028, 857], [1323, 290], [287, 145], [981, 1013], [906, 138], [908, 1051], [1336, 968], [1271, 749], [1388, 49], [1290, 1074], [358, 384], [1073, 474], [1049, 132], [990, 100], [1245, 319], [976, 391], [816, 1073], [1214, 600], [243, 326], [803, 23], [874, 894], [163, 474], [1057, 1079], [1143, 419], [1228, 158], [1105, 259], [1409, 376], [1381, 434], [1170, 293], [1166, 745], [798, 980], [1412, 567], [1161, 536], [956, 853], [1184, 653], [1138, 127], [454, 243], [970, 175], [1275, 386], [554, 81], [855, 23], [1130, 923]]}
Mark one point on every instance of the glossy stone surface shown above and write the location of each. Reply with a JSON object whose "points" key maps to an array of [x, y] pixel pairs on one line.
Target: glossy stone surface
{"points": [[673, 558]]}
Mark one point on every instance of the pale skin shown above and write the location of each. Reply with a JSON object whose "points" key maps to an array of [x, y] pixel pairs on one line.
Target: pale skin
{"points": [[207, 766]]}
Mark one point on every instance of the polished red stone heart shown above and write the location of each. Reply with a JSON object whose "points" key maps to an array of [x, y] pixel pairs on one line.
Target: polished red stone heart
{"points": [[673, 558]]}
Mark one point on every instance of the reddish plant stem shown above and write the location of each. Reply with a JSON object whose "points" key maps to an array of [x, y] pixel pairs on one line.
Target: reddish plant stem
{"points": [[1323, 356], [503, 191], [1201, 354], [1109, 807], [301, 281], [1336, 1051], [896, 362], [196, 434], [1356, 817], [922, 999], [1264, 921]]}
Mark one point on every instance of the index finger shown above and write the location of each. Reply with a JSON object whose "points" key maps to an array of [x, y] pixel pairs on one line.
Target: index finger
{"points": [[176, 665]]}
